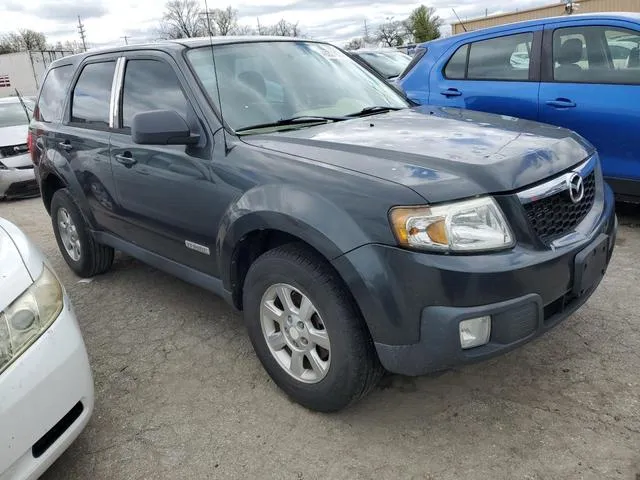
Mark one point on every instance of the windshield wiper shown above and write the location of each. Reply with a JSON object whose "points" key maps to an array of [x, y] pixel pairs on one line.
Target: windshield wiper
{"points": [[299, 120], [373, 110]]}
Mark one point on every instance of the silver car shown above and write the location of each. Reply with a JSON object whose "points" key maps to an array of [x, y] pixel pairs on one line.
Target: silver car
{"points": [[17, 179]]}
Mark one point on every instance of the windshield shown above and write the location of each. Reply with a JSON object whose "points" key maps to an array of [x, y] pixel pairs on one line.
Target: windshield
{"points": [[389, 64], [12, 114], [266, 82]]}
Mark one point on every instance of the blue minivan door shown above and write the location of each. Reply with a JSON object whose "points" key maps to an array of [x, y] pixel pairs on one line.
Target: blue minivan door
{"points": [[495, 74], [591, 84]]}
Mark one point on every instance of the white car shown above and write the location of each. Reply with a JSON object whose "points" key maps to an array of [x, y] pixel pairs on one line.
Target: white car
{"points": [[17, 179], [46, 386]]}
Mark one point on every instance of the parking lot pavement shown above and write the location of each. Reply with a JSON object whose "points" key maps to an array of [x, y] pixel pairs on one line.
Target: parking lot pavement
{"points": [[180, 394]]}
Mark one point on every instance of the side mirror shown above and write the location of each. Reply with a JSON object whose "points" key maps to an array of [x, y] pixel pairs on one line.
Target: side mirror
{"points": [[161, 127]]}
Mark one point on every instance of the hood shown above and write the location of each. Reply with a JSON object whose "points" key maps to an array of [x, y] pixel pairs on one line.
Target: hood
{"points": [[441, 153], [14, 276], [16, 135]]}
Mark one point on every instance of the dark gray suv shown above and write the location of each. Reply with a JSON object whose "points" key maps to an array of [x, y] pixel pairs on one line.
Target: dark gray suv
{"points": [[357, 232]]}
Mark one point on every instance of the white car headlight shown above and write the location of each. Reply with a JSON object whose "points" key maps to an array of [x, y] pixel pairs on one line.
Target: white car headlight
{"points": [[466, 226], [22, 322]]}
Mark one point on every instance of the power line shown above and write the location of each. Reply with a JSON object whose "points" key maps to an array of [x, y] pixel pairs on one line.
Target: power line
{"points": [[82, 32]]}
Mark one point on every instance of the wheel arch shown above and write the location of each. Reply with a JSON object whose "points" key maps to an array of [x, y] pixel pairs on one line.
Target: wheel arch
{"points": [[274, 215]]}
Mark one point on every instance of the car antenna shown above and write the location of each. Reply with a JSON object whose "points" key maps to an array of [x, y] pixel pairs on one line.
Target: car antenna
{"points": [[24, 106], [459, 21], [215, 74]]}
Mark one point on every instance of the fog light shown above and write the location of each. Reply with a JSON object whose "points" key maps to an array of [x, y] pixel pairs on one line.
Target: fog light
{"points": [[475, 332]]}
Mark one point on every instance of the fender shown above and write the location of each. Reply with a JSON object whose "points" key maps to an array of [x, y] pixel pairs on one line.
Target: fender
{"points": [[314, 219], [52, 163]]}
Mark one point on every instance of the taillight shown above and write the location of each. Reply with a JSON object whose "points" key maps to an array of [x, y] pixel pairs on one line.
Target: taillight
{"points": [[31, 145]]}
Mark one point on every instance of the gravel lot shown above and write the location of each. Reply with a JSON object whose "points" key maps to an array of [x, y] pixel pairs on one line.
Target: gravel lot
{"points": [[180, 394]]}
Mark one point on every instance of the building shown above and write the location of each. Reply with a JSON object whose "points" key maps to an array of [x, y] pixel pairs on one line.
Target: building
{"points": [[24, 70], [560, 7]]}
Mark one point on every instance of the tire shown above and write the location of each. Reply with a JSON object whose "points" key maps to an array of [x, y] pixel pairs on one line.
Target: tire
{"points": [[353, 366], [92, 258]]}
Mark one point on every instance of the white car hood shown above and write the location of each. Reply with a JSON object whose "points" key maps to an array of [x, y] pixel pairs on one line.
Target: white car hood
{"points": [[14, 276], [14, 135]]}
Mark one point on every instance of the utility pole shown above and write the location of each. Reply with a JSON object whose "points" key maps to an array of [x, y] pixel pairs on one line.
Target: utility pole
{"points": [[366, 32], [207, 13], [126, 39], [82, 33], [259, 27]]}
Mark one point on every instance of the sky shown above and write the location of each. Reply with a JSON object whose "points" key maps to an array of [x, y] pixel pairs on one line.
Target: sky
{"points": [[108, 21]]}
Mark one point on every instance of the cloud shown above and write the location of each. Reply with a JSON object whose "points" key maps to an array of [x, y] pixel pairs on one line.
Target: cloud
{"points": [[336, 21], [65, 11]]}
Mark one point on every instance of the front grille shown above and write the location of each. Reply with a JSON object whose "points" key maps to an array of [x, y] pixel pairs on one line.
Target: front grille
{"points": [[554, 216], [13, 150]]}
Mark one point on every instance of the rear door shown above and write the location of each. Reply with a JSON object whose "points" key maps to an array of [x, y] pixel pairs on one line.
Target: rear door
{"points": [[83, 137], [591, 84], [497, 74], [165, 193]]}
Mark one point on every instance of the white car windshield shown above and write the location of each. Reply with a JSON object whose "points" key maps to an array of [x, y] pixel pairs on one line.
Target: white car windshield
{"points": [[389, 64], [268, 82], [12, 114]]}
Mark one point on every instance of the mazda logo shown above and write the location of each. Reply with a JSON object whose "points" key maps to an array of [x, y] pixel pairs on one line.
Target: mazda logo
{"points": [[576, 187]]}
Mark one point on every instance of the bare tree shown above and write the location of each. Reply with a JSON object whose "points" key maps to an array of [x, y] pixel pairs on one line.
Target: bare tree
{"points": [[392, 33], [283, 29], [225, 20], [244, 30], [23, 40], [182, 19], [354, 44]]}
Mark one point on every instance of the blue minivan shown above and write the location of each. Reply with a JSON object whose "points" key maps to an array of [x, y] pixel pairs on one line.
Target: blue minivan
{"points": [[580, 72]]}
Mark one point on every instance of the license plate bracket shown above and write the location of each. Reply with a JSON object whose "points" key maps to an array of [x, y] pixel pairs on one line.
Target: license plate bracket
{"points": [[590, 265]]}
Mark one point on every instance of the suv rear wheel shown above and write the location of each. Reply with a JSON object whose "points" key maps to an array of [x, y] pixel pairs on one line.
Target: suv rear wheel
{"points": [[82, 253], [306, 330]]}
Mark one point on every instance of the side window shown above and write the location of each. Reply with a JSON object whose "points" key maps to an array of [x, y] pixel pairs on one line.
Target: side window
{"points": [[53, 94], [624, 49], [503, 58], [150, 85], [92, 95], [455, 69], [607, 55]]}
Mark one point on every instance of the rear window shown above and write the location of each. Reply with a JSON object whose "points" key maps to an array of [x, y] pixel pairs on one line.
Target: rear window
{"points": [[417, 56], [52, 96], [92, 95]]}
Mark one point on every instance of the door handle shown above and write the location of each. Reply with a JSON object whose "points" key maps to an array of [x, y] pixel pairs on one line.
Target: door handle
{"points": [[126, 159], [561, 103], [66, 146], [451, 92]]}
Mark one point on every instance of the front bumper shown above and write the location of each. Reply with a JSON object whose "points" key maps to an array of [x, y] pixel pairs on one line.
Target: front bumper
{"points": [[46, 399], [413, 302], [18, 183]]}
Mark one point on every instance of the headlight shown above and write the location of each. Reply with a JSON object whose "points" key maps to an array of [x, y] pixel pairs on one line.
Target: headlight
{"points": [[22, 322], [466, 226]]}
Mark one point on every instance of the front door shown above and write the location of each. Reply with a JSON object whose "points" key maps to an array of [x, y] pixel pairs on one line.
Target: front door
{"points": [[166, 193], [496, 75], [591, 84], [83, 139]]}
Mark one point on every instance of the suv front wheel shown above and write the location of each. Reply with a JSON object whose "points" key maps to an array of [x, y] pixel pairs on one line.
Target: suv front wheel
{"points": [[83, 254], [306, 330]]}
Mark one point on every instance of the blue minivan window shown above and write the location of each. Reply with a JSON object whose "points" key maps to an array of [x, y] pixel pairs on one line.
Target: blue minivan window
{"points": [[596, 54], [502, 58]]}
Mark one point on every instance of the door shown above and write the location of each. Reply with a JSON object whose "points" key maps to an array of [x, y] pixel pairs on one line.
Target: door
{"points": [[591, 84], [497, 75], [165, 193], [83, 139]]}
